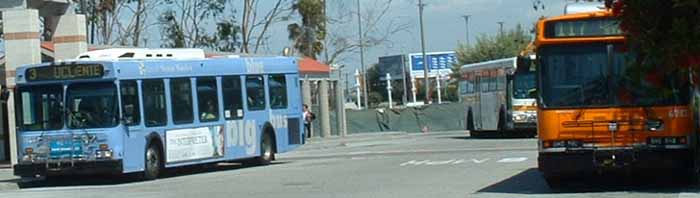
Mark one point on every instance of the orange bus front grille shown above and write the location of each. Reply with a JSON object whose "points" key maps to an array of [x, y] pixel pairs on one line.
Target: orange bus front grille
{"points": [[597, 132]]}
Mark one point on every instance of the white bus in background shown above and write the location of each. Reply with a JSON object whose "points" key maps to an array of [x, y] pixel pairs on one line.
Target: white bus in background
{"points": [[497, 98]]}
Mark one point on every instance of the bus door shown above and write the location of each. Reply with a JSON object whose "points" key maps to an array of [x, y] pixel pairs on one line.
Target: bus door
{"points": [[256, 109], [284, 115], [489, 102], [476, 111], [131, 100]]}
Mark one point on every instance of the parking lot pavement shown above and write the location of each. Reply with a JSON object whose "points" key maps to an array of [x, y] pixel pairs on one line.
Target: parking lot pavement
{"points": [[400, 165]]}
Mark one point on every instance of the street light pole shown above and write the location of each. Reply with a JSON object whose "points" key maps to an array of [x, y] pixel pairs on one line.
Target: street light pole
{"points": [[426, 79], [466, 24], [500, 29], [362, 54]]}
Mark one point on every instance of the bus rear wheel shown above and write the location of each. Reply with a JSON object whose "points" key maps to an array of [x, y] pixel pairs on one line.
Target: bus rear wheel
{"points": [[153, 163], [267, 153]]}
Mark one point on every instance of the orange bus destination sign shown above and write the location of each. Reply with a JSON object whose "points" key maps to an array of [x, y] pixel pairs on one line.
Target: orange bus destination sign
{"points": [[65, 72]]}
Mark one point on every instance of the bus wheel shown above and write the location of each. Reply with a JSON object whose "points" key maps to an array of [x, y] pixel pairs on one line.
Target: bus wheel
{"points": [[470, 121], [267, 154], [153, 163]]}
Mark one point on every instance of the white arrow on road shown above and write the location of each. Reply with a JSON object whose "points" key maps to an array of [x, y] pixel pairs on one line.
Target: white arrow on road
{"points": [[480, 161]]}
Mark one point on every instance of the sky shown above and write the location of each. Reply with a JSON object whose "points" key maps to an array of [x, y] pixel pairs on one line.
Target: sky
{"points": [[443, 24]]}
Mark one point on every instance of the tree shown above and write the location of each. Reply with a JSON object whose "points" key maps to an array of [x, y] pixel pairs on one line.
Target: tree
{"points": [[487, 48], [664, 34], [254, 29], [183, 25], [377, 29], [308, 35], [118, 21]]}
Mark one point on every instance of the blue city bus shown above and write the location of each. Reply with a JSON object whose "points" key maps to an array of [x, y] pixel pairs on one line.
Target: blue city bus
{"points": [[142, 116]]}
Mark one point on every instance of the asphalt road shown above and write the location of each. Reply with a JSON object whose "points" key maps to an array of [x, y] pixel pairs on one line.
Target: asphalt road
{"points": [[393, 165]]}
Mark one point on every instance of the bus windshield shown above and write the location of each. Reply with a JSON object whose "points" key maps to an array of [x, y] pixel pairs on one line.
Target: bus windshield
{"points": [[579, 76], [523, 83], [92, 105], [40, 107]]}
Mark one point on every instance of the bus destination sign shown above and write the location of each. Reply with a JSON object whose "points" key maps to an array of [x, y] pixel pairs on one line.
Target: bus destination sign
{"points": [[583, 28], [65, 72]]}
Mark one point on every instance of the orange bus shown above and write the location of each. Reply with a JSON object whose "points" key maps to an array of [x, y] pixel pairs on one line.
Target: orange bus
{"points": [[597, 112]]}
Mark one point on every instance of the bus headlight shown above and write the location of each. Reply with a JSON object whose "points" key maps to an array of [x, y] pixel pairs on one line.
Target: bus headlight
{"points": [[107, 154], [104, 152], [654, 125]]}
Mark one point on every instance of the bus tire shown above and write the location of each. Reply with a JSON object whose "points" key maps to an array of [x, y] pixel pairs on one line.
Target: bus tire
{"points": [[502, 121], [153, 162], [267, 152], [470, 121]]}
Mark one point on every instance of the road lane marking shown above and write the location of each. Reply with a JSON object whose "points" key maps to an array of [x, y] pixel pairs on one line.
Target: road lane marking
{"points": [[441, 162], [512, 159], [414, 162], [460, 161]]}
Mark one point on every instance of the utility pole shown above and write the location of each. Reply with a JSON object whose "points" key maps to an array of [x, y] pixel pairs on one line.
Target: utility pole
{"points": [[466, 24], [426, 79], [500, 29], [362, 54]]}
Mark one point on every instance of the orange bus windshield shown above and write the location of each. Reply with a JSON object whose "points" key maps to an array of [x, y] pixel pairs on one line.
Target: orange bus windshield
{"points": [[582, 75]]}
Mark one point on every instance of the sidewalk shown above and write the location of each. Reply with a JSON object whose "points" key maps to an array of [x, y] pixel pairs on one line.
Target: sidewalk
{"points": [[8, 181]]}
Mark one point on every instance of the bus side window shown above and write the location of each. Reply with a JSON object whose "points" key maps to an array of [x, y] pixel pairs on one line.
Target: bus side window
{"points": [[484, 82], [154, 103], [130, 102], [278, 91], [181, 100], [207, 99], [255, 90], [232, 96]]}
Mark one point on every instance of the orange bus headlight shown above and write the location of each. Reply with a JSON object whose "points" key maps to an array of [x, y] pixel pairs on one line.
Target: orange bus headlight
{"points": [[655, 125]]}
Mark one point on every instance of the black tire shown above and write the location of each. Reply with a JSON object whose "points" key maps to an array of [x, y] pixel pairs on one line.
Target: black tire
{"points": [[502, 121], [153, 163], [470, 121], [267, 152]]}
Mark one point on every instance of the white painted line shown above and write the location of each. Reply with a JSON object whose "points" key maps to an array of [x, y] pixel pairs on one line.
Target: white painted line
{"points": [[479, 161], [440, 162], [459, 161], [512, 159], [414, 162]]}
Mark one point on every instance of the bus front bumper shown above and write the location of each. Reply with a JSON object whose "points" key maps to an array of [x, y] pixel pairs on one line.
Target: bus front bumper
{"points": [[68, 168], [592, 161]]}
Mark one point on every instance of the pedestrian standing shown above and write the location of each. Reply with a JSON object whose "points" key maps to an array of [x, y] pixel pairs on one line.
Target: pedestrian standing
{"points": [[308, 118]]}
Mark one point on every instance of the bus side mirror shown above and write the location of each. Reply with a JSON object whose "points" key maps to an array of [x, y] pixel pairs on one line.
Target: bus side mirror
{"points": [[523, 64]]}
